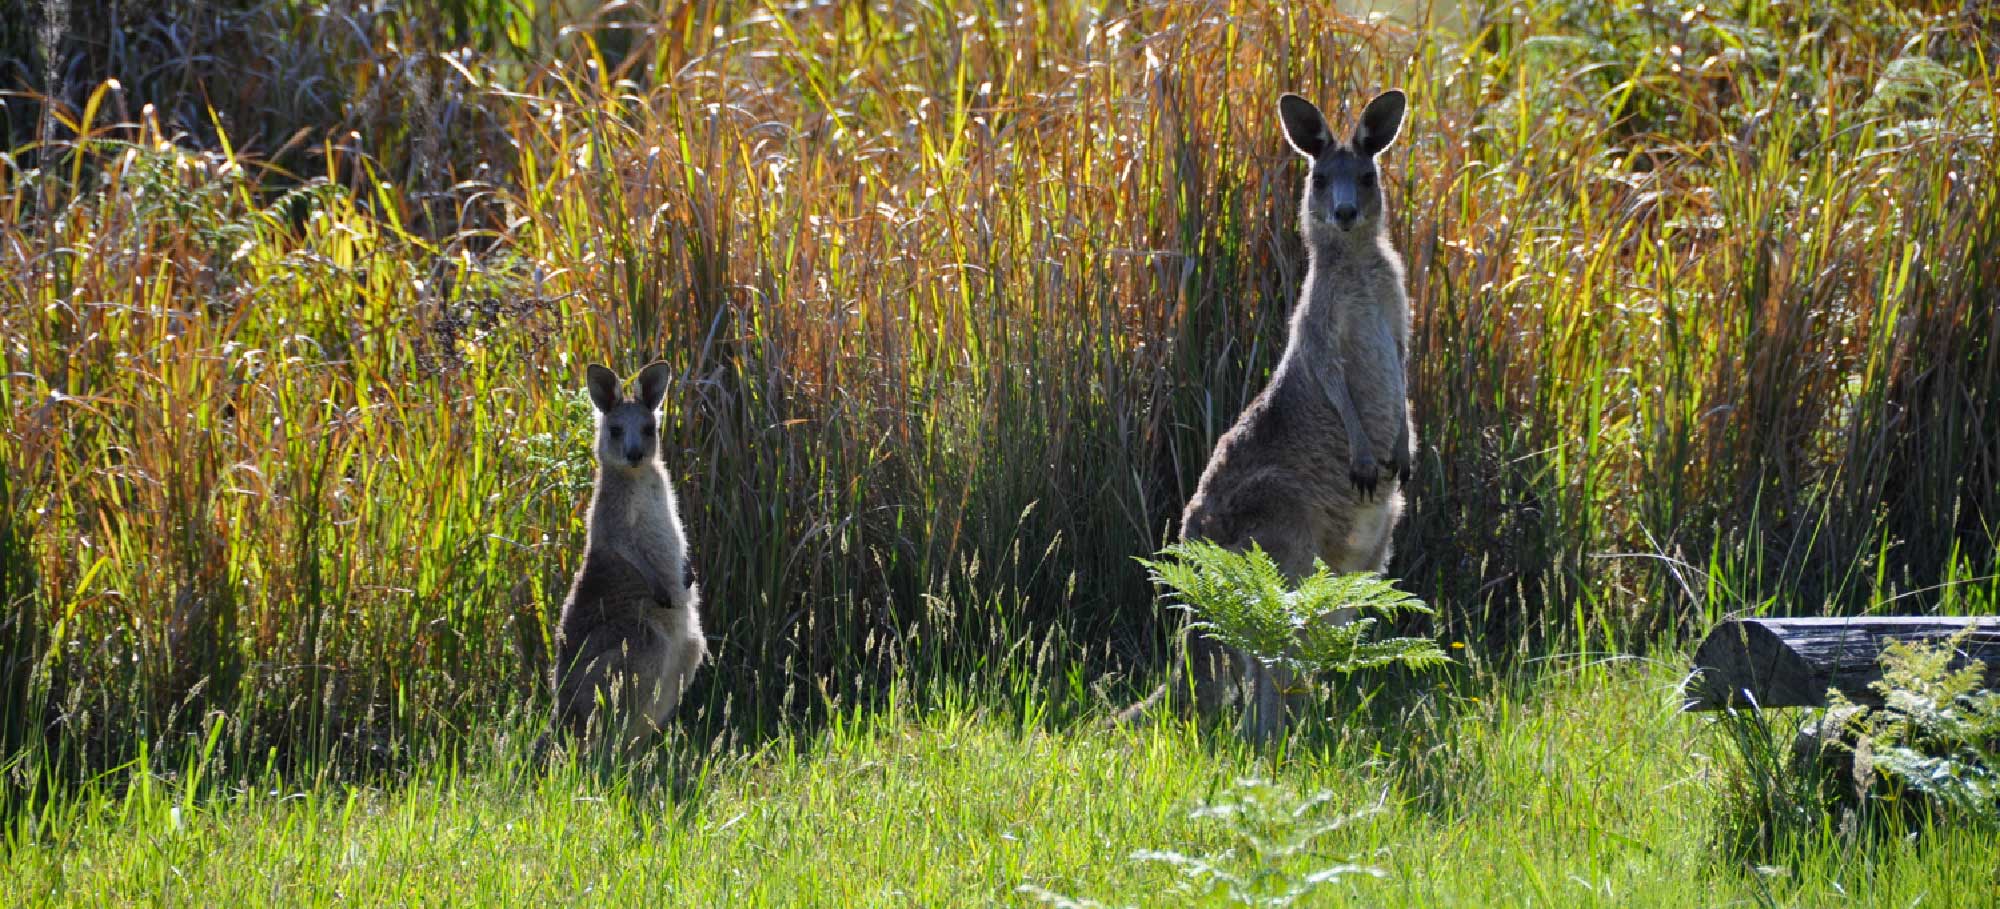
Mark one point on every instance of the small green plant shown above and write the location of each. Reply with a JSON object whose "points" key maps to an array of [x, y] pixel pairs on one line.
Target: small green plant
{"points": [[1937, 733], [1933, 745], [1272, 829], [1243, 600]]}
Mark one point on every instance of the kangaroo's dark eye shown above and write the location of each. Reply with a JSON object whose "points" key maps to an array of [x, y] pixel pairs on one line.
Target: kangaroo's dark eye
{"points": [[1319, 181], [1368, 179], [647, 429], [617, 431]]}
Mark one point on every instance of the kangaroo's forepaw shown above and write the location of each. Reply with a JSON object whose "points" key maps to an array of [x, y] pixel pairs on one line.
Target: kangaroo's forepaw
{"points": [[1401, 468], [1363, 474]]}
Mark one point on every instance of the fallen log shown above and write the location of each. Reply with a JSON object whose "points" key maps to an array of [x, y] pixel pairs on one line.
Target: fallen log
{"points": [[1792, 662]]}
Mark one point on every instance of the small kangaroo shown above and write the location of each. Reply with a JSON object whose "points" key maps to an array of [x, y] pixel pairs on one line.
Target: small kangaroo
{"points": [[630, 637], [1314, 466]]}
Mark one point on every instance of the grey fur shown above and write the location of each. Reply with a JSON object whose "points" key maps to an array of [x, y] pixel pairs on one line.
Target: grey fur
{"points": [[630, 637], [1314, 467]]}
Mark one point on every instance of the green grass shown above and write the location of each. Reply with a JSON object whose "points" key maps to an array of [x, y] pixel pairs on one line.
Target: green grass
{"points": [[1585, 788]]}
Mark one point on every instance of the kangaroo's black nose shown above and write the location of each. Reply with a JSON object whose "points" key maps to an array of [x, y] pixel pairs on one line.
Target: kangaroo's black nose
{"points": [[1346, 214]]}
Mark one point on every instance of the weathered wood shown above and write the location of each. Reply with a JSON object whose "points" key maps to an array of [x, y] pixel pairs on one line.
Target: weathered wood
{"points": [[1792, 662]]}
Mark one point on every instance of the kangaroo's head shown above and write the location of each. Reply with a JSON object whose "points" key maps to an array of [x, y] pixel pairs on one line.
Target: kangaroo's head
{"points": [[1343, 195], [628, 432]]}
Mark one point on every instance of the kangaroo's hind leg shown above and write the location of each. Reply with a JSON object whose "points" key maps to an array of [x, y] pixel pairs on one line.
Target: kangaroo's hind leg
{"points": [[587, 691], [678, 651]]}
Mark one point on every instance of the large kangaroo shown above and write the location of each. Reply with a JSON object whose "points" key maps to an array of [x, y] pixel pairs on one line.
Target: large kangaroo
{"points": [[1314, 466], [630, 637]]}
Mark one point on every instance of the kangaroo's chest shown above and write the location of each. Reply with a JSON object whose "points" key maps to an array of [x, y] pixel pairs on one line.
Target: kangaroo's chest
{"points": [[1362, 299], [650, 539]]}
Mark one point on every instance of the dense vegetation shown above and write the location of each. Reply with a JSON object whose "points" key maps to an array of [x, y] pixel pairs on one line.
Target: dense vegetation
{"points": [[296, 298], [960, 303]]}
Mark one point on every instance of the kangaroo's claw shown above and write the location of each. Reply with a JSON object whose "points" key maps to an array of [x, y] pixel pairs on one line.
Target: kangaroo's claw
{"points": [[1401, 468], [1363, 475]]}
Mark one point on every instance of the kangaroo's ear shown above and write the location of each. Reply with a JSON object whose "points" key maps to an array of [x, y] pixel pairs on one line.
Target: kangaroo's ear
{"points": [[1305, 126], [603, 385], [653, 384], [1380, 123]]}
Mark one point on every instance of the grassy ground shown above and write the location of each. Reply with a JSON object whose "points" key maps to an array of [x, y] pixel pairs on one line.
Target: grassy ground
{"points": [[1583, 788]]}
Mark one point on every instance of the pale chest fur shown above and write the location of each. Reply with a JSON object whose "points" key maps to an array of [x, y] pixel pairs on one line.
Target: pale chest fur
{"points": [[1352, 297], [637, 519]]}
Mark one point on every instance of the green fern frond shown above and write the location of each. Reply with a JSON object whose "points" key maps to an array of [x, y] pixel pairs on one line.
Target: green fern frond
{"points": [[1937, 732], [1244, 600]]}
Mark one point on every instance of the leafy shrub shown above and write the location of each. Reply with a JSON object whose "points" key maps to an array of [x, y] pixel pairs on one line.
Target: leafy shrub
{"points": [[1933, 747], [1936, 735], [1242, 600]]}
